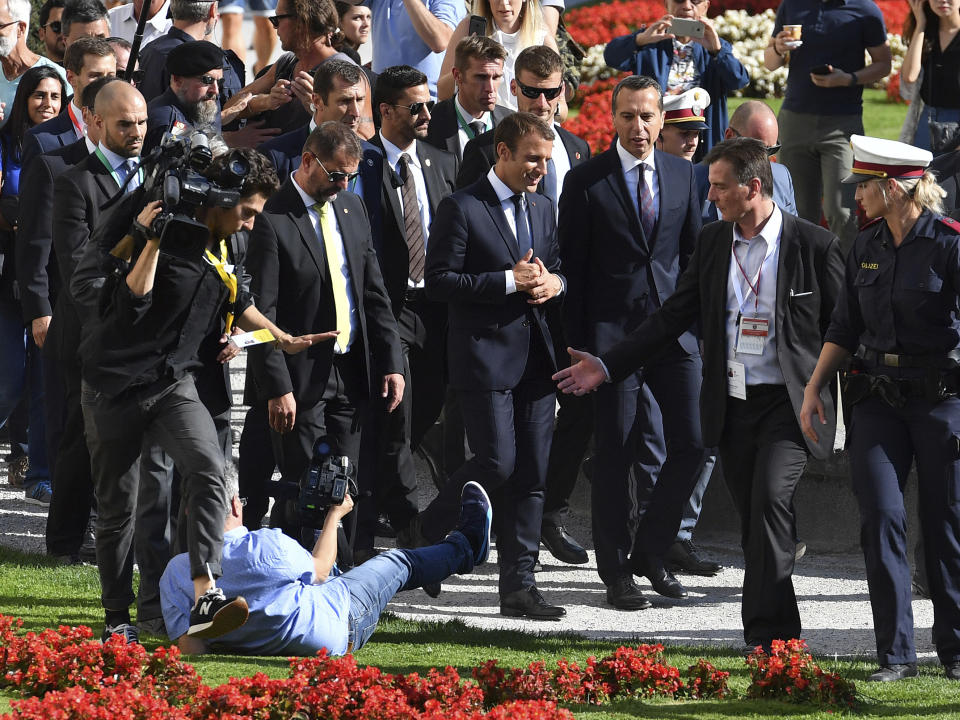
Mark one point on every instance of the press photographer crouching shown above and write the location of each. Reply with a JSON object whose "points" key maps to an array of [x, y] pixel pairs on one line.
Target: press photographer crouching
{"points": [[148, 301]]}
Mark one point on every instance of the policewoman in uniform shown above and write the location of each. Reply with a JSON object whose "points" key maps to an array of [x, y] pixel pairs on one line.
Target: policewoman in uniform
{"points": [[898, 316]]}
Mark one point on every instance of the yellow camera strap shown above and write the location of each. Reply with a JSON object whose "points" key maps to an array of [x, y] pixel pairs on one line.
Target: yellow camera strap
{"points": [[229, 279]]}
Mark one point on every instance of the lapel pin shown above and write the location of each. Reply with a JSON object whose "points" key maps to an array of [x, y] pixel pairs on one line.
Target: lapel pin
{"points": [[370, 162], [346, 211], [427, 162], [576, 155]]}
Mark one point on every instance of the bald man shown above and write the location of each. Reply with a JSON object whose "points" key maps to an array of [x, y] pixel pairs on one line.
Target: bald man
{"points": [[756, 120]]}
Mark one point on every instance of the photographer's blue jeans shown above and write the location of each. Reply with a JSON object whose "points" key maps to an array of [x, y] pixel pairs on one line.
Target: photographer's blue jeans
{"points": [[374, 583]]}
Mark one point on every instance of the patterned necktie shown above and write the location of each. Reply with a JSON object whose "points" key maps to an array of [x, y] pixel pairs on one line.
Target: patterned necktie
{"points": [[337, 281], [549, 184], [524, 242], [123, 171], [412, 223], [648, 213], [478, 127]]}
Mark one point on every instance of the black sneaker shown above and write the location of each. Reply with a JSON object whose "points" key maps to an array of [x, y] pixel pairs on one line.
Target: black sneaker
{"points": [[476, 517], [215, 615], [125, 630]]}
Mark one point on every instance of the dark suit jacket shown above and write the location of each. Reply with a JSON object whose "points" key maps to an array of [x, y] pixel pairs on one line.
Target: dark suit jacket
{"points": [[810, 262], [55, 132], [480, 155], [80, 193], [444, 131], [470, 246], [37, 272], [617, 276], [439, 171], [285, 152], [291, 282]]}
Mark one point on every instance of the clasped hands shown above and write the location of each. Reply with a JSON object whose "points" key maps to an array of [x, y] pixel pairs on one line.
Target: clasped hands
{"points": [[531, 276]]}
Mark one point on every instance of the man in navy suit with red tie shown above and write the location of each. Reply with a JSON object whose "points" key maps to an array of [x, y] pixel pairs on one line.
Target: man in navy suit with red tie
{"points": [[629, 219], [492, 256]]}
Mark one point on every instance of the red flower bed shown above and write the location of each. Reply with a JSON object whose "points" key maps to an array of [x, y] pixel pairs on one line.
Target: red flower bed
{"points": [[594, 123], [789, 673]]}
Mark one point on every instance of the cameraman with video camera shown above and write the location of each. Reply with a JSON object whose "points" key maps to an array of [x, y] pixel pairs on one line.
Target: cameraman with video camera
{"points": [[148, 302]]}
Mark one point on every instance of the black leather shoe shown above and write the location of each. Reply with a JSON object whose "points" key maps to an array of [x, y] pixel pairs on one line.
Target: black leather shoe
{"points": [[529, 603], [562, 545], [685, 556], [624, 594], [952, 670], [660, 578], [892, 673]]}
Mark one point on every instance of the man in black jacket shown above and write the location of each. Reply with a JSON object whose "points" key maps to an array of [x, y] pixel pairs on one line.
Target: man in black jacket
{"points": [[762, 287]]}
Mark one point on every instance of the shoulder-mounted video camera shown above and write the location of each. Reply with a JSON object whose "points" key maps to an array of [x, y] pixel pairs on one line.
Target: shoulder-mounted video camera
{"points": [[327, 482]]}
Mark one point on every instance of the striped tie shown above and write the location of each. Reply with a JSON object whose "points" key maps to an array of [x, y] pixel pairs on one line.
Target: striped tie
{"points": [[648, 213], [412, 224], [337, 281]]}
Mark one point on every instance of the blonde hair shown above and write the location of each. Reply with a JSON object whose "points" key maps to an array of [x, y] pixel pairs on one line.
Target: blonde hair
{"points": [[924, 192], [531, 20]]}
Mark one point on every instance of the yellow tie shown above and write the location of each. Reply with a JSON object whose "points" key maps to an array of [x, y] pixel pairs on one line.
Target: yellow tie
{"points": [[337, 281]]}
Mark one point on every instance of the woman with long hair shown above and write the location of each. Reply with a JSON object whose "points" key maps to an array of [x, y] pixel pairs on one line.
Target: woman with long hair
{"points": [[897, 322], [355, 24], [932, 32], [515, 24]]}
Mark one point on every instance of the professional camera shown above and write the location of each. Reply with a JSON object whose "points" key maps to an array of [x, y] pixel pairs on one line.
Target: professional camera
{"points": [[172, 174], [327, 483]]}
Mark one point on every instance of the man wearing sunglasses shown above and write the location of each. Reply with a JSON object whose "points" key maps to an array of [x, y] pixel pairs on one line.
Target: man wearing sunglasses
{"points": [[50, 30], [313, 266], [416, 176]]}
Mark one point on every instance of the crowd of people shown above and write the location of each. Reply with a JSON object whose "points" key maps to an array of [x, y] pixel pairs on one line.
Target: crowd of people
{"points": [[415, 255]]}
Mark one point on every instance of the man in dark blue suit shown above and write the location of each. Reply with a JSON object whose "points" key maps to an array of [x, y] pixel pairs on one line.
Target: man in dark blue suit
{"points": [[629, 219], [86, 60], [492, 256]]}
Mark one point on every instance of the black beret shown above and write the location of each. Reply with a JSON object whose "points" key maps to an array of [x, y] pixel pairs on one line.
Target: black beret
{"points": [[194, 58]]}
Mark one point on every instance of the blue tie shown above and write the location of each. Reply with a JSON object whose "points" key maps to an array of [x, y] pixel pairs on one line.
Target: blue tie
{"points": [[648, 213], [123, 171], [524, 242]]}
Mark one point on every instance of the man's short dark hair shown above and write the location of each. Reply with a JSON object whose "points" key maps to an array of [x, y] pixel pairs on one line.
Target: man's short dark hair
{"points": [[192, 11], [74, 58], [539, 60], [331, 137], [347, 71], [513, 127], [748, 159], [261, 178], [636, 82], [120, 42], [88, 97], [480, 47], [82, 11], [393, 81], [44, 13]]}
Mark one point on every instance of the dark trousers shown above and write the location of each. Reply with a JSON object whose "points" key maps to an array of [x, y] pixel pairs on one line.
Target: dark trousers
{"points": [[883, 443], [255, 464], [73, 493], [509, 432], [169, 412], [626, 437], [763, 455]]}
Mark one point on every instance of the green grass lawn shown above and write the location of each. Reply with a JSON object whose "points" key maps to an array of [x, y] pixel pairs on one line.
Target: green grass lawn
{"points": [[47, 596]]}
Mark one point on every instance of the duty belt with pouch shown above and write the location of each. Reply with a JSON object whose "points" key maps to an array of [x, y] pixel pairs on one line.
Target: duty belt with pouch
{"points": [[939, 379]]}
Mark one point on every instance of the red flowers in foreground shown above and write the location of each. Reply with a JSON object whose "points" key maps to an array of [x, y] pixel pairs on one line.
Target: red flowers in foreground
{"points": [[69, 676]]}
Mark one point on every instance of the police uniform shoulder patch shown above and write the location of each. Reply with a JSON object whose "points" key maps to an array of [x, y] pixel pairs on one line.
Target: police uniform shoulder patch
{"points": [[950, 223]]}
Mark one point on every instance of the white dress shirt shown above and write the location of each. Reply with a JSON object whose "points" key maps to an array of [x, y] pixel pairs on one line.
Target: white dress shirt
{"points": [[758, 369], [505, 196], [341, 259], [486, 119], [76, 119], [632, 177], [561, 163], [123, 23], [423, 200]]}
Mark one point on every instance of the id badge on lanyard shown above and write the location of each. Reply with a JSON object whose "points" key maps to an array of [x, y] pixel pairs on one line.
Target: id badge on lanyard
{"points": [[752, 328]]}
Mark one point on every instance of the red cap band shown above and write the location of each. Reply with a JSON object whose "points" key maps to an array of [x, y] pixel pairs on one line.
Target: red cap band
{"points": [[892, 171]]}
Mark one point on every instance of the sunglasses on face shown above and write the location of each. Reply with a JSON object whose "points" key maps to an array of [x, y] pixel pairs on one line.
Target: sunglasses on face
{"points": [[6, 25], [534, 92], [336, 176], [275, 20], [416, 107], [208, 79], [55, 27]]}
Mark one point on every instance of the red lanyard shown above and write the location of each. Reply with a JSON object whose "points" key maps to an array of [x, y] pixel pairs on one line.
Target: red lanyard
{"points": [[754, 288], [76, 123]]}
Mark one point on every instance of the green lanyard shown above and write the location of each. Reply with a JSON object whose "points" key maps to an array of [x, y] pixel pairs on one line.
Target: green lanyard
{"points": [[113, 173], [464, 125]]}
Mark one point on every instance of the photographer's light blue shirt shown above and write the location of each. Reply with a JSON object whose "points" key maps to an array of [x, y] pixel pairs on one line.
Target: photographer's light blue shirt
{"points": [[289, 615]]}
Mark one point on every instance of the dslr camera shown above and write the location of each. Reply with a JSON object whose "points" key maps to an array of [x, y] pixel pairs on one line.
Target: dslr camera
{"points": [[328, 480]]}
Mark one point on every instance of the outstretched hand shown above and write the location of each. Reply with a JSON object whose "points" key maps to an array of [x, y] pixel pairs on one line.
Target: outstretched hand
{"points": [[292, 345], [584, 375]]}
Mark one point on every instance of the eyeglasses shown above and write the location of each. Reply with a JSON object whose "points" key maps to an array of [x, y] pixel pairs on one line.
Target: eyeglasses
{"points": [[54, 25], [209, 79], [275, 20], [337, 176], [771, 149], [416, 107], [6, 25], [534, 92]]}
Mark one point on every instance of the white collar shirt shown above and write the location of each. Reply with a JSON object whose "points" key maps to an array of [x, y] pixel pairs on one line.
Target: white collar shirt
{"points": [[466, 117], [123, 23], [423, 199], [631, 175]]}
